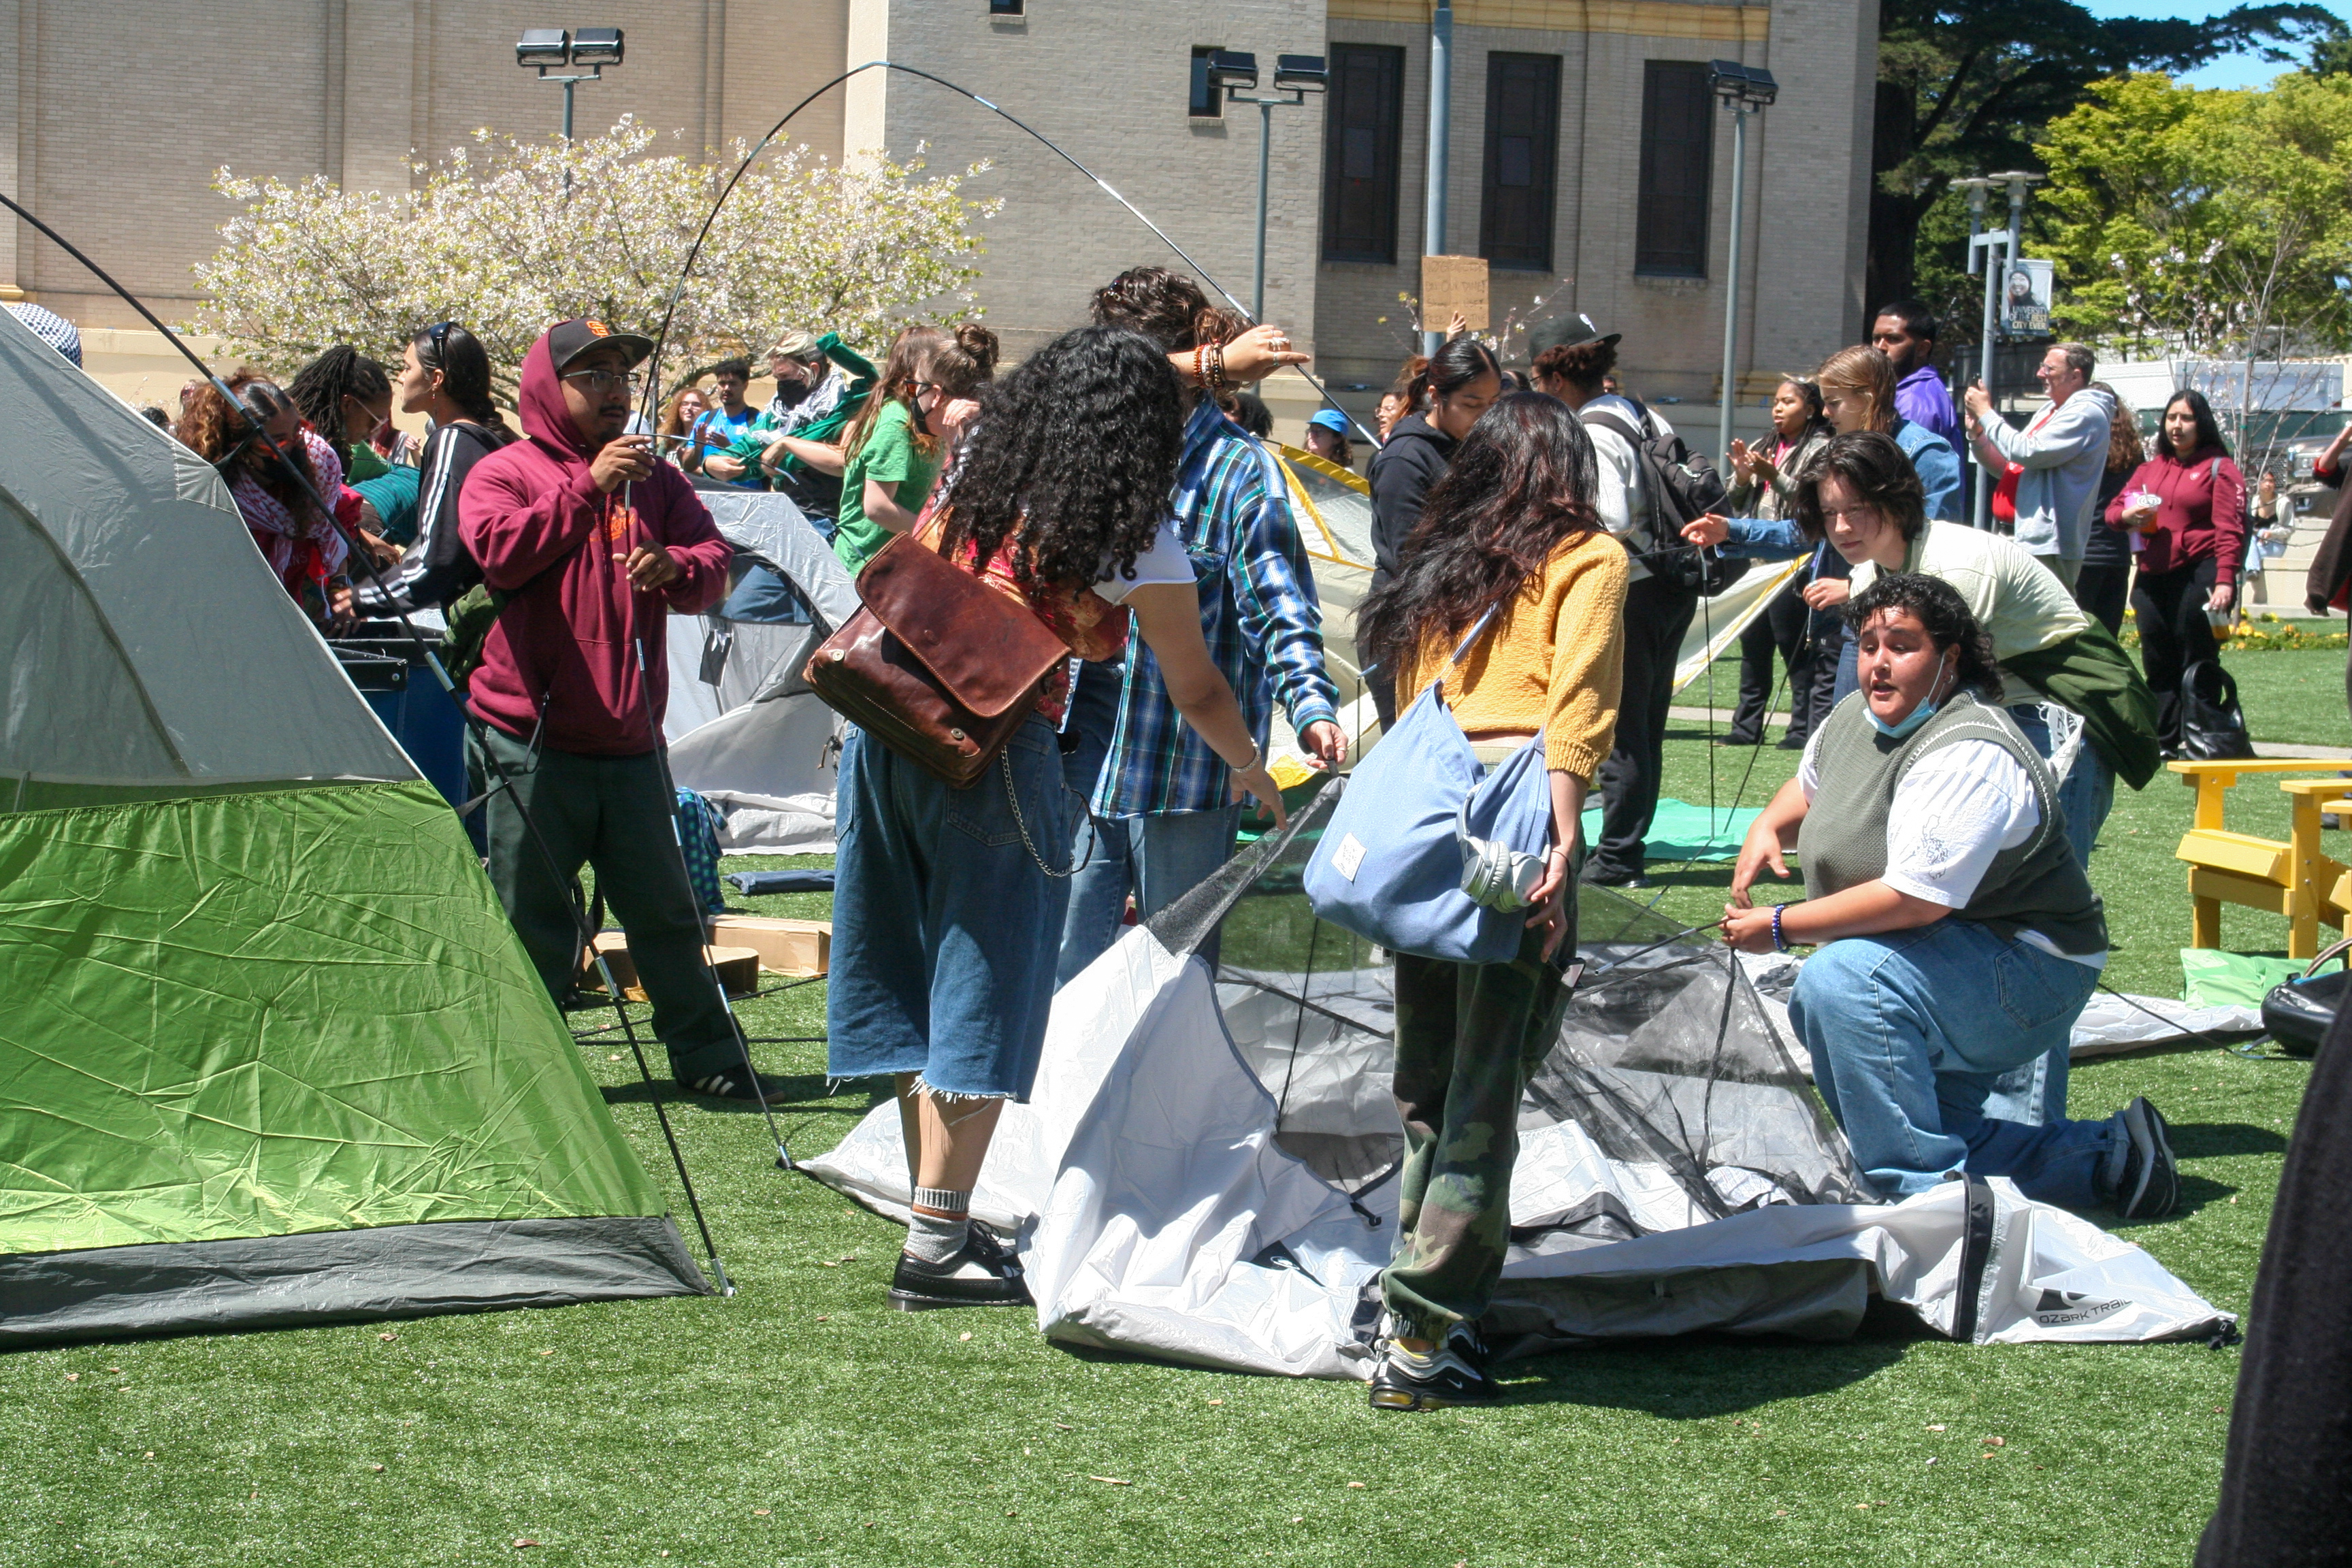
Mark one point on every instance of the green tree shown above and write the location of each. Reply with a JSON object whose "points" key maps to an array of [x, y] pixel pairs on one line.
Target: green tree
{"points": [[1965, 87], [2209, 223]]}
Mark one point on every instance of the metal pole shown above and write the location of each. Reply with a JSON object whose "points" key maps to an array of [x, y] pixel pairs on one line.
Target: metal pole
{"points": [[1739, 112], [1265, 150], [1441, 112], [569, 83], [1981, 512]]}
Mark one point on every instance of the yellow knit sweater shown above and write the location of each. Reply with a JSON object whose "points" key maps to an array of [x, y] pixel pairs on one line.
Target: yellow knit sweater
{"points": [[1553, 660]]}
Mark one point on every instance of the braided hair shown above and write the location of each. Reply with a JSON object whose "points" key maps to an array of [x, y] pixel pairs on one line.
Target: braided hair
{"points": [[319, 387]]}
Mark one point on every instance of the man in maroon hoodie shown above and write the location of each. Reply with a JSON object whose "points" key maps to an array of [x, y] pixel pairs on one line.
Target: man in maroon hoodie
{"points": [[594, 544]]}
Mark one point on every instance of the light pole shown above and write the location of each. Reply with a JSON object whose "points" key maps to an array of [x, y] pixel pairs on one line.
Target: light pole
{"points": [[1294, 75], [1745, 91], [552, 48], [1994, 250], [1441, 145]]}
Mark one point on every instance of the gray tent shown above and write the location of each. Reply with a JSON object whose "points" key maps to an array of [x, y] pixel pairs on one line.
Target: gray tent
{"points": [[1206, 1170], [744, 729]]}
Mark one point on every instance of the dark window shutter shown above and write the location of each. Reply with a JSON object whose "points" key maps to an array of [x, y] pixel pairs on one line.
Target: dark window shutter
{"points": [[1515, 214], [1362, 123], [1677, 158]]}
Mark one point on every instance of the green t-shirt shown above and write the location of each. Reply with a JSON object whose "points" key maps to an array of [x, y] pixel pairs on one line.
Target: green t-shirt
{"points": [[889, 453]]}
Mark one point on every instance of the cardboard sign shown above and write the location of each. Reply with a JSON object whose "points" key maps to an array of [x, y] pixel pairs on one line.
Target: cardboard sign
{"points": [[1452, 283]]}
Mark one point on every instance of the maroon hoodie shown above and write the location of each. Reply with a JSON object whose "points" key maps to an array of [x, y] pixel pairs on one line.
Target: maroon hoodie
{"points": [[547, 535]]}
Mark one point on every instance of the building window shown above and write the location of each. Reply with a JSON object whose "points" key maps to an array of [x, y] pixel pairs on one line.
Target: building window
{"points": [[1007, 7], [1515, 214], [1361, 125], [1208, 97], [1677, 148]]}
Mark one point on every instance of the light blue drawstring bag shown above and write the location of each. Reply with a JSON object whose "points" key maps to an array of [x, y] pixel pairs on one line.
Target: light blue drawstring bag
{"points": [[1390, 863]]}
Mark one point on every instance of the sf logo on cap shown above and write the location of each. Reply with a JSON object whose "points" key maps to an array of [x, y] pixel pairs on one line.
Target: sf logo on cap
{"points": [[599, 328]]}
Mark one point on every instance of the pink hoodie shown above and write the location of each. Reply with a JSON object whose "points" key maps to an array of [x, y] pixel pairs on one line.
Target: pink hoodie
{"points": [[546, 534]]}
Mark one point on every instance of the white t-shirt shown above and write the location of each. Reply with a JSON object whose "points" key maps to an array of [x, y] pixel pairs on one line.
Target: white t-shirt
{"points": [[1955, 809], [1164, 562]]}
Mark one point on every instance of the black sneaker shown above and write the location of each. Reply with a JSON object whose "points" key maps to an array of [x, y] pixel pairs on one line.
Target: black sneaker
{"points": [[2149, 1187], [1601, 876], [979, 1273], [1453, 1372], [735, 1083]]}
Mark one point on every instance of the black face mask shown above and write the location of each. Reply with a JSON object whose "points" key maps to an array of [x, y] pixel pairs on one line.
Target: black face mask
{"points": [[920, 421]]}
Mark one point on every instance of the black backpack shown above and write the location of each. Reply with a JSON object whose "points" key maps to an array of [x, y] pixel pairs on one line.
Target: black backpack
{"points": [[1683, 487]]}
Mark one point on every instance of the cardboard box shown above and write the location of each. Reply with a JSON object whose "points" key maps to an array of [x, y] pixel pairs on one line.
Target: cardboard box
{"points": [[787, 947], [738, 967]]}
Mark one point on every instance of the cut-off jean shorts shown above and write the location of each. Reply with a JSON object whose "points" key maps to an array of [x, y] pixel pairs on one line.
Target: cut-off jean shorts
{"points": [[945, 928]]}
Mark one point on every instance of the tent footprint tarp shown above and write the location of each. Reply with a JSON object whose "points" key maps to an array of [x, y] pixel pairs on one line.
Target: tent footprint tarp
{"points": [[269, 1052]]}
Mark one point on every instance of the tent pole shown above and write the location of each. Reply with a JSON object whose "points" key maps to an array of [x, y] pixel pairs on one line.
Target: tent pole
{"points": [[669, 796]]}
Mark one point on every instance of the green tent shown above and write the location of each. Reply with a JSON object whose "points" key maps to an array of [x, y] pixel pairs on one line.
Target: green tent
{"points": [[269, 1052]]}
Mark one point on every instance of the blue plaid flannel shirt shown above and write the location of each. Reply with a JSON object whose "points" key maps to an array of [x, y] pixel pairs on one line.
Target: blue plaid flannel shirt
{"points": [[1258, 613]]}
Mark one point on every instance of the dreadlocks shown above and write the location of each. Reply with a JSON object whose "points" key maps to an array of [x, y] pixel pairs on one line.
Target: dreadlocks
{"points": [[320, 388]]}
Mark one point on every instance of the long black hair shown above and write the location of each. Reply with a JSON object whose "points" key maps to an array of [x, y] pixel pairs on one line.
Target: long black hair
{"points": [[1072, 459], [1455, 365], [465, 367], [1944, 614], [319, 387], [1877, 470], [1520, 486], [2209, 430]]}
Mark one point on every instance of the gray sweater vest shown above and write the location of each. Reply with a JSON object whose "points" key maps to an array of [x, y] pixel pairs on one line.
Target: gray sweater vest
{"points": [[2037, 886]]}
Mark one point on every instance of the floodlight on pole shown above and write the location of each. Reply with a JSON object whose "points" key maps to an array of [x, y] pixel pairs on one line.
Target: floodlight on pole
{"points": [[1294, 75], [588, 50], [1745, 90]]}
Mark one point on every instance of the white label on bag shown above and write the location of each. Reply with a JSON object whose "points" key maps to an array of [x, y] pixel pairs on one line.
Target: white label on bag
{"points": [[1348, 857]]}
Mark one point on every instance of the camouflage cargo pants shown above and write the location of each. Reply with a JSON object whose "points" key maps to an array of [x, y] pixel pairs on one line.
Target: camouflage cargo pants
{"points": [[1468, 1037]]}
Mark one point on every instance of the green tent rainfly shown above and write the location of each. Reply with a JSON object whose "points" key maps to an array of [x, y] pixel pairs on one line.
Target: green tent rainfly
{"points": [[269, 1053]]}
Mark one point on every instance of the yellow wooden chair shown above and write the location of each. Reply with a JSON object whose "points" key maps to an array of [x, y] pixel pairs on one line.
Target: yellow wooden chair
{"points": [[2292, 877]]}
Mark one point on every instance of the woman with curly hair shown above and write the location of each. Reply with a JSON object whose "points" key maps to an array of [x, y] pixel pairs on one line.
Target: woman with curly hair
{"points": [[1959, 936], [274, 492], [947, 913], [1512, 596]]}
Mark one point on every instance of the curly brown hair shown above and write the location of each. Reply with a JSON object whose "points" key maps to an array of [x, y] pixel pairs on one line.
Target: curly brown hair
{"points": [[226, 437]]}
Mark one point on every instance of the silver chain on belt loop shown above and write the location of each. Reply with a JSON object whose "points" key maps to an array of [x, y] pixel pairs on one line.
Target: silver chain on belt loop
{"points": [[1013, 799]]}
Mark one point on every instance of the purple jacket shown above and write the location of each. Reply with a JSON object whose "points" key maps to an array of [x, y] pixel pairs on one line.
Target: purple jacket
{"points": [[1920, 397]]}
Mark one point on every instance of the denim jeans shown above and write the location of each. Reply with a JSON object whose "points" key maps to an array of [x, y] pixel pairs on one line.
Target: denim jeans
{"points": [[944, 924], [1157, 858], [1910, 1030]]}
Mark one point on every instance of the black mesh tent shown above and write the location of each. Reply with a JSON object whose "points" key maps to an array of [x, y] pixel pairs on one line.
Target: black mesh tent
{"points": [[1206, 1170]]}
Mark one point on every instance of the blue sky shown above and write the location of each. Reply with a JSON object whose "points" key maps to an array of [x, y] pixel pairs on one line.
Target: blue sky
{"points": [[2241, 70]]}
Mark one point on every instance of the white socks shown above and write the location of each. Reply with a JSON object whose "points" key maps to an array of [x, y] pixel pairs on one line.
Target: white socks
{"points": [[937, 1225]]}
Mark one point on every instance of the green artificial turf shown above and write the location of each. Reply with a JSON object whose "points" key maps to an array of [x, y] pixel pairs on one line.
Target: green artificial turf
{"points": [[802, 1423]]}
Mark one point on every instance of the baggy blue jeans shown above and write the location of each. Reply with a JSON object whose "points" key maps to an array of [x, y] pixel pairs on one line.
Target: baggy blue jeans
{"points": [[944, 925], [1910, 1030], [1158, 858]]}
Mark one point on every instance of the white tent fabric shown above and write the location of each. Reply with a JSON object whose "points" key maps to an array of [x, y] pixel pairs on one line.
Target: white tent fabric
{"points": [[129, 580], [1205, 1169], [744, 729]]}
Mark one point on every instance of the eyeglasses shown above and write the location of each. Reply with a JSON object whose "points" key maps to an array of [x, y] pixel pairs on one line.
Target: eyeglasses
{"points": [[606, 380]]}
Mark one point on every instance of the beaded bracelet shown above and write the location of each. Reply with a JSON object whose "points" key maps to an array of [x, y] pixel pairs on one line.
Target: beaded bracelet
{"points": [[1219, 381], [1778, 943]]}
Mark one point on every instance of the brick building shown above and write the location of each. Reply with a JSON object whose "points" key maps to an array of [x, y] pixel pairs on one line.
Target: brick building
{"points": [[1588, 163]]}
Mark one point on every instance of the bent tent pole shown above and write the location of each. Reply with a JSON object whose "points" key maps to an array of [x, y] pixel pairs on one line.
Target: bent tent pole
{"points": [[433, 662], [694, 252]]}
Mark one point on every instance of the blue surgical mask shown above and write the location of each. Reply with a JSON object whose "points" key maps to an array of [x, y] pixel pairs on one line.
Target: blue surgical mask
{"points": [[1918, 716]]}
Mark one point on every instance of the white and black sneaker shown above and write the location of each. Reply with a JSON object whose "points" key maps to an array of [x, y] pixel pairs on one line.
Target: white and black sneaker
{"points": [[1452, 1372], [982, 1272], [735, 1083], [2149, 1187]]}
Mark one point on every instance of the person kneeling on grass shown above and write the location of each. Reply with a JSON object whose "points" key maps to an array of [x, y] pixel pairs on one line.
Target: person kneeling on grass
{"points": [[1960, 937]]}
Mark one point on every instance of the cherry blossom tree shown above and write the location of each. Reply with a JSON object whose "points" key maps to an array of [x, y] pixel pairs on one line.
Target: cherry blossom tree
{"points": [[510, 235]]}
